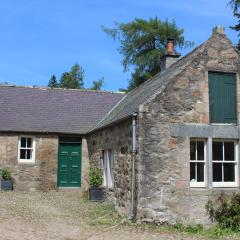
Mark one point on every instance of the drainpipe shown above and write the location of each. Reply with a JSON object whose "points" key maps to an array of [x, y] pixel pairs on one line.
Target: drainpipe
{"points": [[132, 214]]}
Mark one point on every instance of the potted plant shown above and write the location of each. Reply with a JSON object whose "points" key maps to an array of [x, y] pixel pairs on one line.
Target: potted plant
{"points": [[95, 182], [6, 181]]}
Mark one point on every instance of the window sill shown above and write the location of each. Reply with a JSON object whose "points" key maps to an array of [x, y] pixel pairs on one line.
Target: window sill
{"points": [[197, 185], [26, 162], [225, 185], [224, 124]]}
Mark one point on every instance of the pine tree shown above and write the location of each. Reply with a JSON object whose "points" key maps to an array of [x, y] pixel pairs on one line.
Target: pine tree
{"points": [[74, 78], [53, 82], [142, 43], [66, 80], [235, 4], [98, 84], [77, 74]]}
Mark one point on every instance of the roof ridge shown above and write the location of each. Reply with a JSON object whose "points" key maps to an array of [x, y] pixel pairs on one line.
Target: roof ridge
{"points": [[61, 89], [157, 84], [166, 70]]}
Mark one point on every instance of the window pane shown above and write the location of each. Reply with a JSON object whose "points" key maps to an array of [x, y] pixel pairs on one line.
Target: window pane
{"points": [[200, 172], [23, 154], [29, 142], [192, 150], [217, 172], [229, 172], [29, 154], [229, 151], [217, 150], [200, 150], [23, 142], [192, 172]]}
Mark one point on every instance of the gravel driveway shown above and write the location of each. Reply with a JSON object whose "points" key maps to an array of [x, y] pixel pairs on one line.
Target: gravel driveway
{"points": [[64, 216]]}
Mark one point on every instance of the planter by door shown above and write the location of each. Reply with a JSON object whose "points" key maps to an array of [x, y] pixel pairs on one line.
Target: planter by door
{"points": [[96, 194], [6, 185]]}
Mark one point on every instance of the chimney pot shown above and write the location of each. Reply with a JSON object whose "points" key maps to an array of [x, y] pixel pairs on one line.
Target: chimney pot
{"points": [[171, 56], [170, 46]]}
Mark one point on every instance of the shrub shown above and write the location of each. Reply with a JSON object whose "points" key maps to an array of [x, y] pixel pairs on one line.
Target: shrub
{"points": [[194, 228], [95, 177], [225, 211], [6, 174], [191, 228]]}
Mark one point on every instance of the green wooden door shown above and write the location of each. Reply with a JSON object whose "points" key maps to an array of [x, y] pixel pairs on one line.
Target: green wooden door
{"points": [[222, 98], [69, 164]]}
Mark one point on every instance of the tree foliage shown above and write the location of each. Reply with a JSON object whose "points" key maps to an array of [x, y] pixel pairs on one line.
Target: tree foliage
{"points": [[235, 4], [53, 82], [142, 44], [4, 83], [73, 78], [98, 84], [225, 211]]}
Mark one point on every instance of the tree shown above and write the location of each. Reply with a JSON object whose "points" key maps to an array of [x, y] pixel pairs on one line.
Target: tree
{"points": [[142, 44], [98, 84], [74, 78], [235, 4], [4, 83], [77, 74], [66, 80], [53, 82]]}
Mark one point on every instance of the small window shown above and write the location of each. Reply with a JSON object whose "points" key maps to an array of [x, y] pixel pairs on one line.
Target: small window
{"points": [[26, 151], [197, 163], [224, 163], [107, 166]]}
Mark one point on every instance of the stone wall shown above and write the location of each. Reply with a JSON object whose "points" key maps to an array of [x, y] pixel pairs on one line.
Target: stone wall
{"points": [[85, 166], [118, 138], [164, 192], [41, 175]]}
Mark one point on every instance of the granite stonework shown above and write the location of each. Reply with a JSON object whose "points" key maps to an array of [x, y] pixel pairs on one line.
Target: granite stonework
{"points": [[41, 175], [118, 138], [175, 113], [85, 166], [167, 122]]}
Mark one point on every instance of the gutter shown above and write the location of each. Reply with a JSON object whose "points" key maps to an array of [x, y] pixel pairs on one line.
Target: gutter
{"points": [[132, 214]]}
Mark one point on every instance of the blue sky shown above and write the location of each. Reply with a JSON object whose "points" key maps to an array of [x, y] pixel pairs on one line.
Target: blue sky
{"points": [[39, 38]]}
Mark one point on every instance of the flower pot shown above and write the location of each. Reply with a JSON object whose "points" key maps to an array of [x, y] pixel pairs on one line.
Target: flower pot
{"points": [[6, 185], [96, 194]]}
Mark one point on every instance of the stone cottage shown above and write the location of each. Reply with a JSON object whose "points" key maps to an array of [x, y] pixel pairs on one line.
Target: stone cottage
{"points": [[165, 148]]}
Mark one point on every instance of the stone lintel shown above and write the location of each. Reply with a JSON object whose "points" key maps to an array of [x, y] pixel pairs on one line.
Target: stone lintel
{"points": [[205, 131]]}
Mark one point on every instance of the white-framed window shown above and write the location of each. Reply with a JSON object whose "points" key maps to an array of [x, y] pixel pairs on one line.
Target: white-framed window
{"points": [[26, 149], [107, 166], [224, 163], [197, 163]]}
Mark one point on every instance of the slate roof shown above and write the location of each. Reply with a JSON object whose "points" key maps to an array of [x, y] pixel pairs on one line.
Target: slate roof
{"points": [[24, 109], [130, 103]]}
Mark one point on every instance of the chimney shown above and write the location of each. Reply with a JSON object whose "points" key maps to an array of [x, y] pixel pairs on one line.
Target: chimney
{"points": [[219, 29], [170, 56]]}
